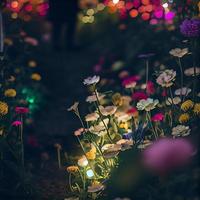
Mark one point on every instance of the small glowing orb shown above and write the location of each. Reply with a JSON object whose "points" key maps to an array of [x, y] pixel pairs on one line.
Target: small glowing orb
{"points": [[115, 1], [165, 5], [90, 173], [14, 4]]}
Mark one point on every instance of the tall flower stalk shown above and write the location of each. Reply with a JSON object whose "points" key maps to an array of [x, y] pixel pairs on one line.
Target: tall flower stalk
{"points": [[101, 116], [181, 73], [21, 139]]}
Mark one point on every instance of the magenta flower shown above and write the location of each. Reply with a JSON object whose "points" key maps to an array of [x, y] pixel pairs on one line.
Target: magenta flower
{"points": [[157, 117], [167, 154], [131, 79], [150, 88], [21, 110], [17, 123], [139, 96], [132, 110]]}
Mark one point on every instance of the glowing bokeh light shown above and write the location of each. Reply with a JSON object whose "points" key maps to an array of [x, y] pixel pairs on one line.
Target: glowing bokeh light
{"points": [[90, 173]]}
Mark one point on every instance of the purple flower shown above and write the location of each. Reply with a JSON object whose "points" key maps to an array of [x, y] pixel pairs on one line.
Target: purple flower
{"points": [[167, 154], [190, 27], [17, 123], [127, 136]]}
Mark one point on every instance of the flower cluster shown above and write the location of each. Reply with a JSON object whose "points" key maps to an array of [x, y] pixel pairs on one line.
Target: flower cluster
{"points": [[146, 112]]}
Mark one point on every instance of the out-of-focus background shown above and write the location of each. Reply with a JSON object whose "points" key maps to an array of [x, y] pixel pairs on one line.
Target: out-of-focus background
{"points": [[58, 43]]}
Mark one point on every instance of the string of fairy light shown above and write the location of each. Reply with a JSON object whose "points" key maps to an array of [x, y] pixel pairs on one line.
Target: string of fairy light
{"points": [[147, 10], [25, 9]]}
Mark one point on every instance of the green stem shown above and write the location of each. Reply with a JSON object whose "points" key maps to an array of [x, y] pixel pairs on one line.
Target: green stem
{"points": [[172, 97], [147, 73], [86, 157], [181, 71], [153, 129], [59, 158], [100, 152], [21, 141], [194, 66], [101, 116]]}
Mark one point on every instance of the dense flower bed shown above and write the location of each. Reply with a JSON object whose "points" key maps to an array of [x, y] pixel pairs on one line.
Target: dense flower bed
{"points": [[20, 97], [155, 113]]}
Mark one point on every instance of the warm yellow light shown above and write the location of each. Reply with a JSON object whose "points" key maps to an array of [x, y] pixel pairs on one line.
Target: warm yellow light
{"points": [[115, 1], [100, 6], [165, 5], [90, 12], [14, 15]]}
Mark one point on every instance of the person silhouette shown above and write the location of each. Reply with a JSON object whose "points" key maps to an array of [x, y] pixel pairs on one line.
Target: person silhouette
{"points": [[61, 13]]}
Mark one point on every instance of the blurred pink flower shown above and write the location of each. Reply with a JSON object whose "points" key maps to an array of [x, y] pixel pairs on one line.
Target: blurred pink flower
{"points": [[132, 112], [157, 117], [31, 41], [136, 3], [21, 110], [166, 154], [139, 96], [23, 33], [97, 68], [130, 79], [17, 123], [150, 88]]}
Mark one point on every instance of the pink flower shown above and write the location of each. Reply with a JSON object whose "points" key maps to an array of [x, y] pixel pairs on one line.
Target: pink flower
{"points": [[23, 33], [79, 132], [21, 110], [133, 112], [157, 117], [150, 88], [17, 123], [139, 96], [166, 154], [130, 80], [31, 41]]}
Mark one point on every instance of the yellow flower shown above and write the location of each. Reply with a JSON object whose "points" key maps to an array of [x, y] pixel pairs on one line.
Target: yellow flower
{"points": [[117, 99], [184, 118], [32, 63], [185, 106], [8, 41], [3, 108], [10, 93], [196, 109], [72, 169], [124, 125], [36, 77], [91, 155]]}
